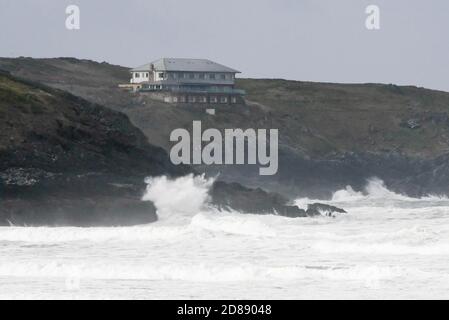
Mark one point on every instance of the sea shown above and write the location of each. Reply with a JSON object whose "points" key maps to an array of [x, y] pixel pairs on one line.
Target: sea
{"points": [[388, 246]]}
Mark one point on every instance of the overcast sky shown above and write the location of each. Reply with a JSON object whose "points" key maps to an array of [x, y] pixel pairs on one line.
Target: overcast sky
{"points": [[316, 40]]}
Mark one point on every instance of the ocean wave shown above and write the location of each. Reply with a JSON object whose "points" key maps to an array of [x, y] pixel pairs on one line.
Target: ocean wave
{"points": [[375, 191]]}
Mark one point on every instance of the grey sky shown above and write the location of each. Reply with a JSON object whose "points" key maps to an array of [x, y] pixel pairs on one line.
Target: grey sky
{"points": [[316, 40]]}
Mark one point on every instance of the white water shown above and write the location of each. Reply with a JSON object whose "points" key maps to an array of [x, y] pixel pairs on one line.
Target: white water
{"points": [[387, 246]]}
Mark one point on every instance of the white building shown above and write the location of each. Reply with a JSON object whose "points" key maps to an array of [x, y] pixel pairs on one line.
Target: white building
{"points": [[187, 80]]}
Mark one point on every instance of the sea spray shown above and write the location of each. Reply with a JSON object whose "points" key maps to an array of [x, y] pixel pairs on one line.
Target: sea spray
{"points": [[183, 196]]}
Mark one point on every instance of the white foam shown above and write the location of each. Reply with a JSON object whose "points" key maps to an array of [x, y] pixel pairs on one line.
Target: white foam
{"points": [[232, 223], [387, 242], [69, 234], [202, 272], [375, 191], [382, 248], [183, 196]]}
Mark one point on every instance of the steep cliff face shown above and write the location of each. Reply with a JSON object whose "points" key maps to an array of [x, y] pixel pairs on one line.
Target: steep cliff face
{"points": [[64, 160], [331, 135]]}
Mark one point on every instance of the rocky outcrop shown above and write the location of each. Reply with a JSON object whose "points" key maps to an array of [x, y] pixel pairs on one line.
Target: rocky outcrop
{"points": [[320, 209], [233, 196]]}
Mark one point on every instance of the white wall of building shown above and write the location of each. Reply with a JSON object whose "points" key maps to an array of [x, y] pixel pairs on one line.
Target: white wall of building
{"points": [[139, 77]]}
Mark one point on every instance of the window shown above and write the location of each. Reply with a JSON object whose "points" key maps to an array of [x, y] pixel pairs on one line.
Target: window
{"points": [[192, 76], [203, 99], [186, 75], [212, 76], [223, 76], [137, 75], [161, 75], [213, 99], [202, 76], [223, 99], [192, 99], [147, 74], [233, 100], [182, 99]]}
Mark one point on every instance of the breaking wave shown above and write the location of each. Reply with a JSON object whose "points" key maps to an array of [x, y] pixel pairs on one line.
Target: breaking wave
{"points": [[183, 196], [375, 192]]}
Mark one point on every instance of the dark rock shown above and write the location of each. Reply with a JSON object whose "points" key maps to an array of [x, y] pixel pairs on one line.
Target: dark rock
{"points": [[291, 212], [233, 196], [317, 209], [77, 211]]}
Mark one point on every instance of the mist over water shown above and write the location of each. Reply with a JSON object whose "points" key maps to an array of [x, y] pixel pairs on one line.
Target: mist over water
{"points": [[387, 246]]}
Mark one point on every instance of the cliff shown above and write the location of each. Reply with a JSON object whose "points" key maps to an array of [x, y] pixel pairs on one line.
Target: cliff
{"points": [[64, 160]]}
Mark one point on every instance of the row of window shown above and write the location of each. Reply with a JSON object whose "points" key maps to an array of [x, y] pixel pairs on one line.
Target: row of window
{"points": [[200, 76], [201, 99], [188, 75], [141, 75]]}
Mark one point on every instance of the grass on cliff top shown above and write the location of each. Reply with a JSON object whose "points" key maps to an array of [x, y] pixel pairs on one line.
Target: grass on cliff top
{"points": [[324, 118]]}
